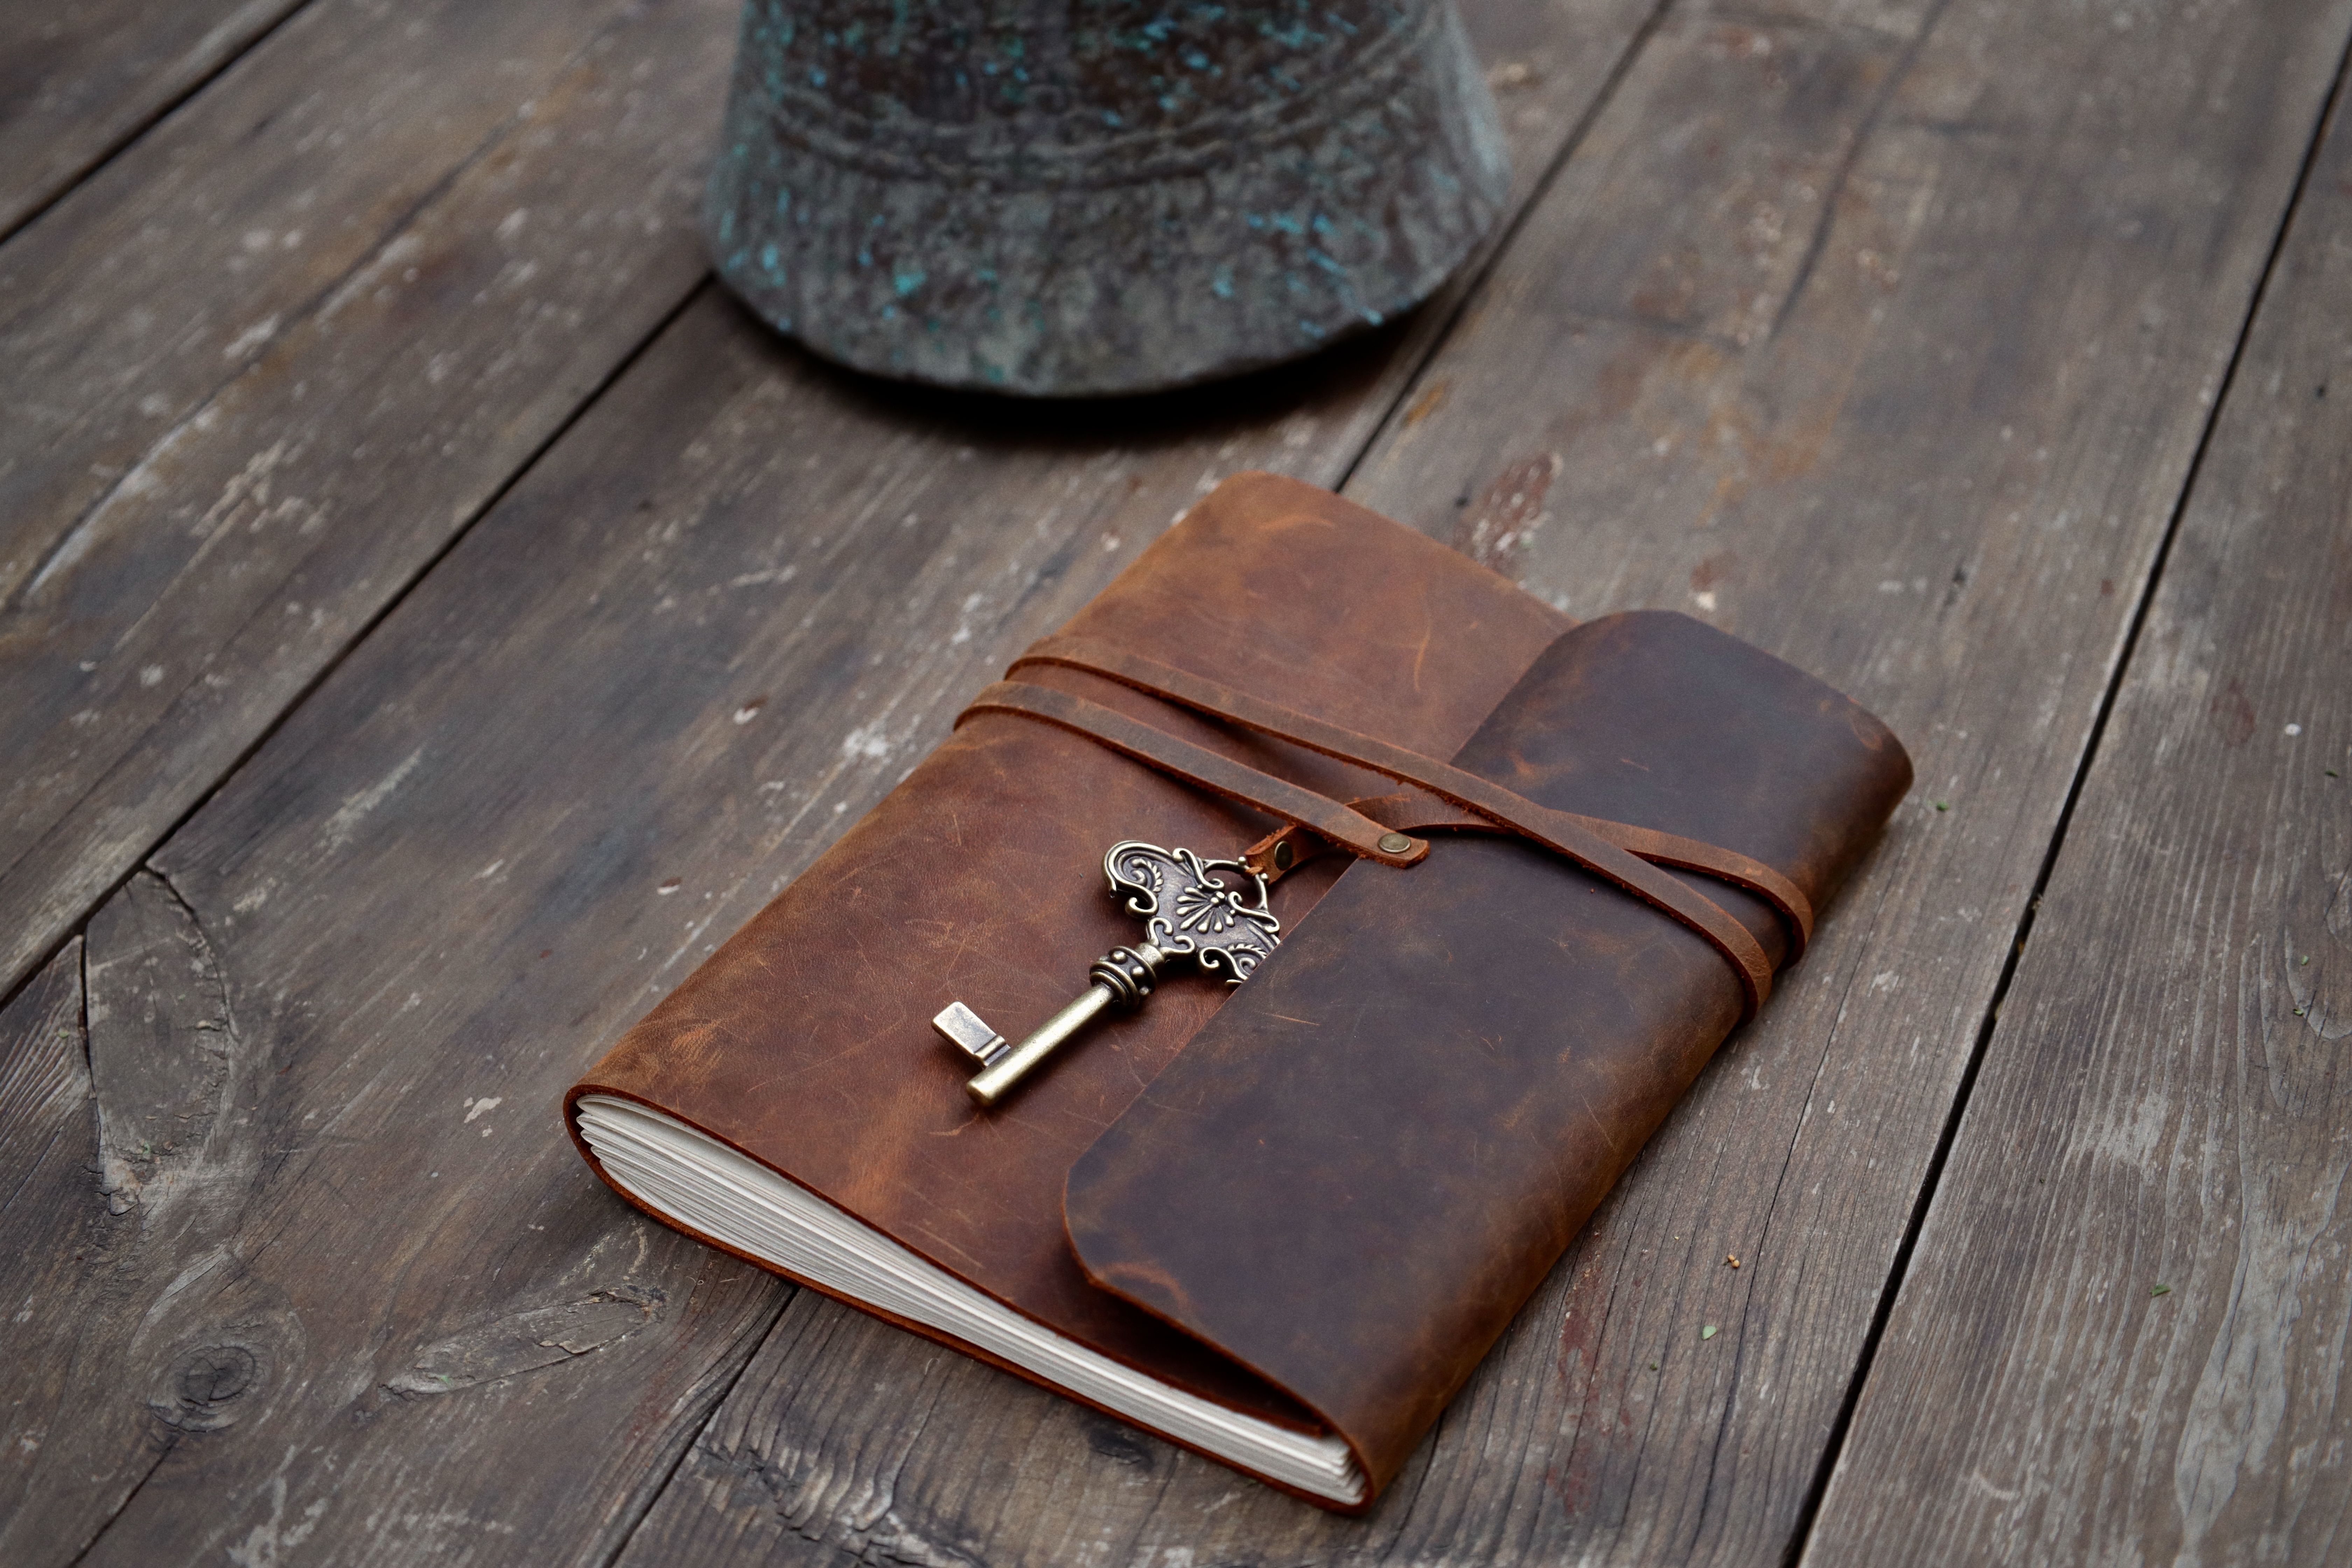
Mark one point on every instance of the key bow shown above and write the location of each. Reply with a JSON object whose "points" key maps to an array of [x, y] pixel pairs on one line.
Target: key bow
{"points": [[1189, 910], [1194, 920]]}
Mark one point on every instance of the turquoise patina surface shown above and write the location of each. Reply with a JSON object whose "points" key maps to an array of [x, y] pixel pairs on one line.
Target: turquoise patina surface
{"points": [[1062, 197]]}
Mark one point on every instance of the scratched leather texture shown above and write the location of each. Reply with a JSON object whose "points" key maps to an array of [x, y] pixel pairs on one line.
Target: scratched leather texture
{"points": [[805, 1040], [1361, 1167]]}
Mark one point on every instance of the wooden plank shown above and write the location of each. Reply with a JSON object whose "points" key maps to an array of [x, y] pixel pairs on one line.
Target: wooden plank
{"points": [[1883, 346], [265, 365], [2164, 1104], [78, 80], [722, 614]]}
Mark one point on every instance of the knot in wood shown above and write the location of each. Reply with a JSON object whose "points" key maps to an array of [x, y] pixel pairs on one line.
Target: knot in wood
{"points": [[205, 1382]]}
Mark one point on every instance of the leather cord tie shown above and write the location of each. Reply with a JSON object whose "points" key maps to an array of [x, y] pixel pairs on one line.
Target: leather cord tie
{"points": [[1196, 765], [1621, 854]]}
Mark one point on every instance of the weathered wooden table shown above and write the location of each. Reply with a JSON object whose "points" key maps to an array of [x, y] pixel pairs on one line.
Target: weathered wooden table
{"points": [[434, 617]]}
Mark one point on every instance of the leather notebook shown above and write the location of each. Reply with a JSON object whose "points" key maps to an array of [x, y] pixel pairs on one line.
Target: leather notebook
{"points": [[1529, 874]]}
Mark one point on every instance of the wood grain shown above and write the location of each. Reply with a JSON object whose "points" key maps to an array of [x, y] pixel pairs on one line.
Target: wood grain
{"points": [[58, 1238], [78, 79], [726, 610], [1815, 260], [2163, 1106], [268, 364], [168, 1072]]}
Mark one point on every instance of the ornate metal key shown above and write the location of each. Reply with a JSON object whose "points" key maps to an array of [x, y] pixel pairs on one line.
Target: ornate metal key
{"points": [[1189, 910]]}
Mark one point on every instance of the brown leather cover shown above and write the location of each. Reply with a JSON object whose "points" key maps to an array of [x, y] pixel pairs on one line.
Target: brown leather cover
{"points": [[804, 1041]]}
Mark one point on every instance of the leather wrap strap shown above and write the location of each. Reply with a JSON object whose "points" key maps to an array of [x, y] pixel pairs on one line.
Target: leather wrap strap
{"points": [[1196, 765], [1619, 853]]}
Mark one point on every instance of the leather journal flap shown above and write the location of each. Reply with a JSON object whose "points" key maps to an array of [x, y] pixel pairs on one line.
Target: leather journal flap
{"points": [[1361, 1166]]}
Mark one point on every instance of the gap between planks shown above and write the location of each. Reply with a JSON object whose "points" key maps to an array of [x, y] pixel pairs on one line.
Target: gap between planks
{"points": [[287, 414], [219, 49]]}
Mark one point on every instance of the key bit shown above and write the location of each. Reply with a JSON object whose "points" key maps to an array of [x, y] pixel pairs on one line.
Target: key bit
{"points": [[1191, 912]]}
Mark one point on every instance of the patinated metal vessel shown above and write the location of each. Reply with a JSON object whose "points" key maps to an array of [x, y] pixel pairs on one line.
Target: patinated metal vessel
{"points": [[1059, 197]]}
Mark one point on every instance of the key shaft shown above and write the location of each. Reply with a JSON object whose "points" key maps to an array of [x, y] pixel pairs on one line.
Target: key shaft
{"points": [[993, 1081]]}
